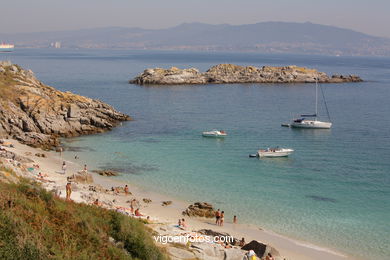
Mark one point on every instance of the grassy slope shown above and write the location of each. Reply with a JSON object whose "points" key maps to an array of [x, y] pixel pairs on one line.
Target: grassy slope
{"points": [[35, 225]]}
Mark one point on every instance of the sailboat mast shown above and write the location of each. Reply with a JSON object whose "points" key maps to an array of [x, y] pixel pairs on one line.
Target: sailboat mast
{"points": [[316, 98]]}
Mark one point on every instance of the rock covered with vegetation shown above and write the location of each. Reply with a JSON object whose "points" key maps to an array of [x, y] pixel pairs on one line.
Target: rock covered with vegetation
{"points": [[37, 114], [229, 73]]}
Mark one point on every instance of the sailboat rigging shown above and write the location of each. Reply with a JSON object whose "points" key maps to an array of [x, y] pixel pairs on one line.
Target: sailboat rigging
{"points": [[310, 121]]}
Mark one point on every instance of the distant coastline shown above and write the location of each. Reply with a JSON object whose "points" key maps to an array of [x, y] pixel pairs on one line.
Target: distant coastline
{"points": [[263, 37]]}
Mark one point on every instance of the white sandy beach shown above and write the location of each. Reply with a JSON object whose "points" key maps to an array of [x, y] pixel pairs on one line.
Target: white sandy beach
{"points": [[51, 165]]}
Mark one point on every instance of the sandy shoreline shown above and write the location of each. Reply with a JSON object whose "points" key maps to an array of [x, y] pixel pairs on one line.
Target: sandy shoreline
{"points": [[51, 165]]}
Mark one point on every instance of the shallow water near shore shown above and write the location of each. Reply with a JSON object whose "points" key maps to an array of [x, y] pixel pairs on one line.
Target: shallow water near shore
{"points": [[332, 191]]}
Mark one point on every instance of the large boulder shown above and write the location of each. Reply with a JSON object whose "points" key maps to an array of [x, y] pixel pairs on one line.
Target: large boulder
{"points": [[256, 246], [200, 209], [81, 177]]}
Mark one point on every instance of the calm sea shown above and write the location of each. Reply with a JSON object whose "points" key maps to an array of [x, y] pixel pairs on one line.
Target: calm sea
{"points": [[333, 191]]}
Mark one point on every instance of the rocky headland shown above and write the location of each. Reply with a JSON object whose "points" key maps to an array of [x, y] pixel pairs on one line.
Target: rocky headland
{"points": [[37, 114], [229, 74]]}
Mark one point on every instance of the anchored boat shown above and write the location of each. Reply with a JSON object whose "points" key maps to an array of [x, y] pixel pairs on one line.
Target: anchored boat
{"points": [[6, 47], [310, 121], [214, 133], [275, 152]]}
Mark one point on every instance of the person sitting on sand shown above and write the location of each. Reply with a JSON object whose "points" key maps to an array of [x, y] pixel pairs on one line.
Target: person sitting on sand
{"points": [[179, 223], [183, 223], [126, 189], [269, 257], [137, 213], [97, 203], [85, 168], [227, 245], [242, 242]]}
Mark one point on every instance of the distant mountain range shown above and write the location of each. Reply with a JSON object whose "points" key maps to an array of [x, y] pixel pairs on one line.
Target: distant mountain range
{"points": [[265, 37]]}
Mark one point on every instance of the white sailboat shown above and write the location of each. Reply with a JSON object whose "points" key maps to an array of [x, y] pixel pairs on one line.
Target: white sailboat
{"points": [[310, 121]]}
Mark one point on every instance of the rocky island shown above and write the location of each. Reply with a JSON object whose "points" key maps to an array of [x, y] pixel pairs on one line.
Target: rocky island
{"points": [[230, 73], [37, 114]]}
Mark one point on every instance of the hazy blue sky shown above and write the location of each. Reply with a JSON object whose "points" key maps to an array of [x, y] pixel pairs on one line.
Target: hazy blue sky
{"points": [[369, 16]]}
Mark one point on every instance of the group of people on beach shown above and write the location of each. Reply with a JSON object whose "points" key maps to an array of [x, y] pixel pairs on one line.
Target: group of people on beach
{"points": [[219, 217]]}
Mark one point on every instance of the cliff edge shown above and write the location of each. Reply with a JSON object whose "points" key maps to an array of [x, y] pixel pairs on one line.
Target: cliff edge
{"points": [[37, 114], [230, 73]]}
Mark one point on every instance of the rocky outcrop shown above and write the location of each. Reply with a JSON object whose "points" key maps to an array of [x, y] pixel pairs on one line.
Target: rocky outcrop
{"points": [[38, 115], [229, 73], [200, 209], [260, 249], [81, 177]]}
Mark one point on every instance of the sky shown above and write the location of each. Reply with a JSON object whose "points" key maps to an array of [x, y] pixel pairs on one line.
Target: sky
{"points": [[368, 16]]}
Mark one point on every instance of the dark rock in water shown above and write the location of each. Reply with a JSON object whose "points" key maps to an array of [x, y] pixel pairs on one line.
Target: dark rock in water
{"points": [[40, 155], [146, 200], [78, 149], [128, 167], [200, 209], [230, 73], [320, 198], [256, 246], [166, 203], [37, 114], [106, 172]]}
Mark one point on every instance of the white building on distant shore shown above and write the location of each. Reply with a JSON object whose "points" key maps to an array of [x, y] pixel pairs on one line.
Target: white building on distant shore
{"points": [[56, 45]]}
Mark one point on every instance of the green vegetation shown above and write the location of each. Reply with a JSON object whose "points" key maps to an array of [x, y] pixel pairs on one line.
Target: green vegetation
{"points": [[36, 225], [7, 80]]}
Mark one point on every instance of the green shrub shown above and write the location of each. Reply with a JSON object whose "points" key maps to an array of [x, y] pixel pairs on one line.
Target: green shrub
{"points": [[37, 225]]}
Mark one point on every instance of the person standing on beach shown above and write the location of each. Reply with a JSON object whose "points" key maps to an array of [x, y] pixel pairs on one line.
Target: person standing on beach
{"points": [[222, 218], [68, 191], [85, 168], [217, 217], [235, 219], [63, 167]]}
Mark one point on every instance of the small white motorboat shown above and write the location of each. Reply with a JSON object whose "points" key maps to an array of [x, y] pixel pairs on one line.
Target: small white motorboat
{"points": [[214, 133], [275, 152]]}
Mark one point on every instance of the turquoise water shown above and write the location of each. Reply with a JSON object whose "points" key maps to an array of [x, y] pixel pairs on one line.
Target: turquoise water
{"points": [[333, 191]]}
